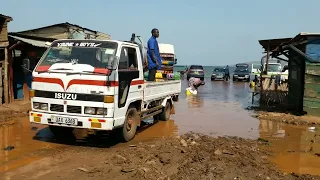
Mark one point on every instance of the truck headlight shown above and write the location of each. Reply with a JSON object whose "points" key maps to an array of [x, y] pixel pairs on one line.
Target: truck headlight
{"points": [[90, 110], [40, 106], [36, 105], [102, 111], [44, 106]]}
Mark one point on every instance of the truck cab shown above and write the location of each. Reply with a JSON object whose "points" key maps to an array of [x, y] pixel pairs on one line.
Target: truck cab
{"points": [[97, 85]]}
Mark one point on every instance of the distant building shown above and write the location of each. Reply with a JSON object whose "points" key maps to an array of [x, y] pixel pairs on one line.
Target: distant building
{"points": [[65, 31]]}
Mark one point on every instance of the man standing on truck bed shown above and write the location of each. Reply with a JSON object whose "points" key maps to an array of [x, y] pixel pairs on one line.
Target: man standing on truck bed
{"points": [[154, 59]]}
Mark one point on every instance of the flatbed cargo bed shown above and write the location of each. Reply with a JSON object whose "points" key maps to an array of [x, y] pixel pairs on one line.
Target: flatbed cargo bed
{"points": [[159, 90]]}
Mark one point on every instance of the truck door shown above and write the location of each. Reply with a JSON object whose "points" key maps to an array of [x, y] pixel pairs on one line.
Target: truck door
{"points": [[130, 79]]}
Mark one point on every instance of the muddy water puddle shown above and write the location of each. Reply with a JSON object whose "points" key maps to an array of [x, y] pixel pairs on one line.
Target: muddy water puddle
{"points": [[17, 144], [217, 110], [295, 148]]}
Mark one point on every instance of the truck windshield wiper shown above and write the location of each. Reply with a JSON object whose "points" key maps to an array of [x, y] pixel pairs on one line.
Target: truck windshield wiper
{"points": [[61, 69], [58, 60], [85, 72], [52, 70]]}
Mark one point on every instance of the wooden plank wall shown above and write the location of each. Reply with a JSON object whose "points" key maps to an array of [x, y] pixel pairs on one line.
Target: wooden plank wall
{"points": [[272, 94]]}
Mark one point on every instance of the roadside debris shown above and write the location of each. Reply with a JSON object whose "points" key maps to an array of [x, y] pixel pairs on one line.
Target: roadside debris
{"points": [[8, 148]]}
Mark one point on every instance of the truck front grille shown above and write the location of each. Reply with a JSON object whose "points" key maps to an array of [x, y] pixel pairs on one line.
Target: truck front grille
{"points": [[56, 108], [74, 109]]}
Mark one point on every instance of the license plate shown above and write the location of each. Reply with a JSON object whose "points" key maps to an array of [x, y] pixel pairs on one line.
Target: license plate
{"points": [[64, 120], [240, 77], [196, 72]]}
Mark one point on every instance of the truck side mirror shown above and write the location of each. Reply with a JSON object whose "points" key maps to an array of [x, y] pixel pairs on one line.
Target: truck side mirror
{"points": [[175, 61], [26, 65], [113, 62]]}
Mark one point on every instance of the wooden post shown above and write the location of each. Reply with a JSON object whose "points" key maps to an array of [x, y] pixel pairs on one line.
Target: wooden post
{"points": [[1, 87], [10, 77], [267, 61], [5, 77]]}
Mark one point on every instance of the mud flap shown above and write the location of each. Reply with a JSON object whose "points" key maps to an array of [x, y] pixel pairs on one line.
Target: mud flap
{"points": [[139, 119], [173, 111]]}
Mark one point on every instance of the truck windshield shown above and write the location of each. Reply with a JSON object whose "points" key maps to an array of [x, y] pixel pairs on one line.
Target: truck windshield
{"points": [[274, 67], [97, 57]]}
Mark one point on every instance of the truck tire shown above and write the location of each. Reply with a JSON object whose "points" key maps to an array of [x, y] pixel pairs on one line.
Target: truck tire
{"points": [[61, 132], [129, 129], [165, 115]]}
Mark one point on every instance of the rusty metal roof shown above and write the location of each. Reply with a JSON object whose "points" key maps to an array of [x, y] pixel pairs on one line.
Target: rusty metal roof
{"points": [[8, 18], [66, 24], [273, 44], [37, 43]]}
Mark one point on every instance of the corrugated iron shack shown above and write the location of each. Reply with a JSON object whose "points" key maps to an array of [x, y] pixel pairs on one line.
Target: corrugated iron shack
{"points": [[270, 91], [4, 58], [303, 55], [29, 47]]}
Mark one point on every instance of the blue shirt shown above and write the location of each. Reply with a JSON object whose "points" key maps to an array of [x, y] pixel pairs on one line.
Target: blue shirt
{"points": [[153, 45]]}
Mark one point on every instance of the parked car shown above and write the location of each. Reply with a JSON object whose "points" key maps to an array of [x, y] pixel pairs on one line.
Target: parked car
{"points": [[196, 71], [218, 74], [241, 72]]}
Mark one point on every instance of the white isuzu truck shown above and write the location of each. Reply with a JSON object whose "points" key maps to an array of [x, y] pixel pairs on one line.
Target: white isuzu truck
{"points": [[97, 85]]}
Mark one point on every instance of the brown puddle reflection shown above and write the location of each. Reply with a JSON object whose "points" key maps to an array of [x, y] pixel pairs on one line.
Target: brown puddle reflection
{"points": [[217, 109], [157, 130], [18, 135], [31, 142], [294, 147]]}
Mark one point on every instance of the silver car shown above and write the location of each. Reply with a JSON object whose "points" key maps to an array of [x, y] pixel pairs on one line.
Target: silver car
{"points": [[196, 71]]}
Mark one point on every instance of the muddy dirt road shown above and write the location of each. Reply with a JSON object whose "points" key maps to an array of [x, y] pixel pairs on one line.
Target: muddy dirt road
{"points": [[31, 152]]}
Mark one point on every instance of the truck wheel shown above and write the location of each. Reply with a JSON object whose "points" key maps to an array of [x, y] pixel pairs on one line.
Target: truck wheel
{"points": [[129, 128], [202, 79], [165, 115], [61, 132]]}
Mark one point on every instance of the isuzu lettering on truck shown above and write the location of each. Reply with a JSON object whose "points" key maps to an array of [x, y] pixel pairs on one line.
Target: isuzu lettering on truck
{"points": [[97, 85]]}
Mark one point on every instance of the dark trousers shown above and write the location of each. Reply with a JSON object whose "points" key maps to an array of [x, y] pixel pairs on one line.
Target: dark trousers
{"points": [[152, 74]]}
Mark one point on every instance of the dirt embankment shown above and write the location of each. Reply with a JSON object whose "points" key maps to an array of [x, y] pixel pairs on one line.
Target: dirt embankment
{"points": [[191, 156], [288, 118], [15, 109]]}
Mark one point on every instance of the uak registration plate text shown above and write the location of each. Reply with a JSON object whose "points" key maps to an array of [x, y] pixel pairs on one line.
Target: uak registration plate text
{"points": [[64, 120]]}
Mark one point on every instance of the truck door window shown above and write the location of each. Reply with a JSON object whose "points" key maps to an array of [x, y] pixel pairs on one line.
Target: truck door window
{"points": [[128, 58]]}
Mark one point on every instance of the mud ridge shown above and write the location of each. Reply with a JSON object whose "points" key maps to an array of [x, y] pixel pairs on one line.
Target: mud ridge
{"points": [[288, 118], [191, 156]]}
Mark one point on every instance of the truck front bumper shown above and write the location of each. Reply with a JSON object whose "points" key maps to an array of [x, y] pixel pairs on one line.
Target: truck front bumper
{"points": [[86, 122]]}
